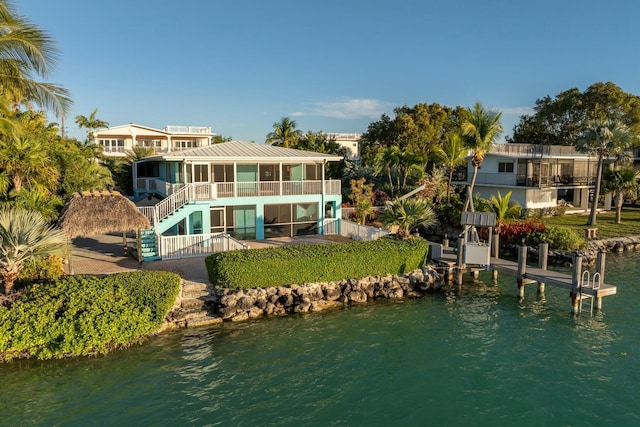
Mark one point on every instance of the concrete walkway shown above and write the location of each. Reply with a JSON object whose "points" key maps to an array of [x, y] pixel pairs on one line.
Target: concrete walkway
{"points": [[103, 254]]}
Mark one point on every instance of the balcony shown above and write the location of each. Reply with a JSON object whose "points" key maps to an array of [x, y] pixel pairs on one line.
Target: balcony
{"points": [[218, 190], [188, 129]]}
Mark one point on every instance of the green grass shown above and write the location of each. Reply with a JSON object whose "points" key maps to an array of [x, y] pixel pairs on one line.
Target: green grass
{"points": [[605, 222]]}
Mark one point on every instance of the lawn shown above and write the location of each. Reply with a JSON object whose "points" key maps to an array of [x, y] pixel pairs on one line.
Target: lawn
{"points": [[605, 222]]}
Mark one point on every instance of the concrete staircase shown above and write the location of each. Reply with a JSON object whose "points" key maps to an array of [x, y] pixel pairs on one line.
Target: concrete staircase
{"points": [[194, 307]]}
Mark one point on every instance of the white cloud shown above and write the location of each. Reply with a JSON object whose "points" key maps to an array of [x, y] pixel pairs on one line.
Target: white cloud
{"points": [[516, 111], [346, 108]]}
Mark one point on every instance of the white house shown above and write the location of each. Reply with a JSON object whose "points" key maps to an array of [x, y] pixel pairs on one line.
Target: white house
{"points": [[350, 141], [118, 140], [539, 176]]}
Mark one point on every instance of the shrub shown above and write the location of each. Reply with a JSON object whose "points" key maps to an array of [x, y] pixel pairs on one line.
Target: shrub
{"points": [[315, 263], [449, 211], [38, 270], [84, 315], [563, 239], [512, 233]]}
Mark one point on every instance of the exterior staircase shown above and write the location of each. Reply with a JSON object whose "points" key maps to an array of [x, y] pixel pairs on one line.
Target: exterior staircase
{"points": [[194, 307]]}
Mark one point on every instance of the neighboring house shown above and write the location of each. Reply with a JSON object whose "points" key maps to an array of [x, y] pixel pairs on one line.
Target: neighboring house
{"points": [[539, 176], [244, 190], [350, 141], [118, 140]]}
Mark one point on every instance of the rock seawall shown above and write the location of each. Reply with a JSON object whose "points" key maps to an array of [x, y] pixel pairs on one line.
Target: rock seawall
{"points": [[242, 304]]}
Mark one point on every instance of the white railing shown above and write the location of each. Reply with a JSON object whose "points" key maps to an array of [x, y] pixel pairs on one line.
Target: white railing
{"points": [[187, 129], [174, 247], [172, 203], [149, 212], [352, 230], [333, 186]]}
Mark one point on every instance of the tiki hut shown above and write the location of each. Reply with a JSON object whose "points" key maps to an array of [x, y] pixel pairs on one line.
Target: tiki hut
{"points": [[101, 212]]}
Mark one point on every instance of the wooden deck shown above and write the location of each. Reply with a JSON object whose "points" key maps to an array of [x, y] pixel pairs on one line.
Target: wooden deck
{"points": [[532, 274]]}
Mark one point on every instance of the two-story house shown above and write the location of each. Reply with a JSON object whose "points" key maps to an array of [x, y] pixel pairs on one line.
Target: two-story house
{"points": [[241, 189], [539, 176], [117, 141]]}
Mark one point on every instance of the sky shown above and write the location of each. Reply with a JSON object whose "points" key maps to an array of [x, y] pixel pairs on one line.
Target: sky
{"points": [[239, 66]]}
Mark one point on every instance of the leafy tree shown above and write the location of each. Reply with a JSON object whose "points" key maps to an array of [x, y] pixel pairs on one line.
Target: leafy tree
{"points": [[480, 129], [407, 214], [219, 139], [452, 153], [24, 235], [561, 120], [603, 139], [25, 51], [284, 133], [362, 199], [622, 182]]}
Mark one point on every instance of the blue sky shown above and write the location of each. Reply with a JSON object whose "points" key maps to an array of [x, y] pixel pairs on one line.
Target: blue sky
{"points": [[331, 65]]}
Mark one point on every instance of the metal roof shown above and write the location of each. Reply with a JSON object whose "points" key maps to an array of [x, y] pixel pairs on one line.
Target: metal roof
{"points": [[245, 151]]}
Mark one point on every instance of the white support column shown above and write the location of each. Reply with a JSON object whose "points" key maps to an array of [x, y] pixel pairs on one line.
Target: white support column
{"points": [[235, 179], [584, 199], [168, 143], [607, 201]]}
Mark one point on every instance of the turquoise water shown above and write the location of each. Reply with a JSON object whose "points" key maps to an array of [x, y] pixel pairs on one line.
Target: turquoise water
{"points": [[477, 357]]}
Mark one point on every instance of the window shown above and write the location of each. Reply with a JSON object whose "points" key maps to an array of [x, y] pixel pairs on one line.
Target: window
{"points": [[505, 167], [222, 173], [112, 145], [154, 144], [287, 220]]}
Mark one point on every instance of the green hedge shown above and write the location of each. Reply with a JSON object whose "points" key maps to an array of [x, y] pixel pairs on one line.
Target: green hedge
{"points": [[315, 263], [83, 315]]}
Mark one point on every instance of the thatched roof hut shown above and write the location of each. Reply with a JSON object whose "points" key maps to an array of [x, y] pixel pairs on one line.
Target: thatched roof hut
{"points": [[100, 212]]}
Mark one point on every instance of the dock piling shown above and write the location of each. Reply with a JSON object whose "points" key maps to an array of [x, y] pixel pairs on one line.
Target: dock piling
{"points": [[522, 268], [543, 256]]}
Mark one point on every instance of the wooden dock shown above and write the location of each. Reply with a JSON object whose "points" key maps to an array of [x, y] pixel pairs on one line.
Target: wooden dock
{"points": [[448, 260]]}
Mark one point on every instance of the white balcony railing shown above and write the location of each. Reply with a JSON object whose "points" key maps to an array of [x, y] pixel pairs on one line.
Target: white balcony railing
{"points": [[174, 247]]}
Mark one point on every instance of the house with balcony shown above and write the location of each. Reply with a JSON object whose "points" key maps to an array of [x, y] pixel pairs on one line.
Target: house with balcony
{"points": [[539, 176], [117, 141], [223, 193]]}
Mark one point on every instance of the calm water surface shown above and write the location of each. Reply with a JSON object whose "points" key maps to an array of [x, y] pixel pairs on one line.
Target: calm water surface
{"points": [[477, 357]]}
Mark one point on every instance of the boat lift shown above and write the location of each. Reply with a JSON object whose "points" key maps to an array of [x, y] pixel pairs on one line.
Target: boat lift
{"points": [[474, 250]]}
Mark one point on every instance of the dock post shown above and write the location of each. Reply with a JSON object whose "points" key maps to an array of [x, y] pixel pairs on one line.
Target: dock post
{"points": [[543, 256], [600, 261], [576, 276], [445, 241], [459, 265], [495, 246], [494, 274], [522, 268]]}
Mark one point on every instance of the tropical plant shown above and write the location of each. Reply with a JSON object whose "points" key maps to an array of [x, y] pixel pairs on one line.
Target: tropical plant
{"points": [[362, 198], [25, 235], [622, 182], [26, 163], [603, 139], [284, 133], [26, 50], [90, 123], [386, 159], [407, 214], [504, 208], [481, 127], [452, 153]]}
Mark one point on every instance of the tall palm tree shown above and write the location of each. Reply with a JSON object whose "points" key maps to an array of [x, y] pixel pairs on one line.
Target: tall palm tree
{"points": [[25, 235], [621, 182], [603, 139], [284, 133], [408, 214], [386, 159], [26, 162], [409, 162], [25, 51], [91, 123], [481, 128], [452, 153]]}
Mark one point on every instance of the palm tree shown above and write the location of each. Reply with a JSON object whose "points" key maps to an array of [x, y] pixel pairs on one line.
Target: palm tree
{"points": [[480, 129], [504, 209], [386, 159], [26, 162], [91, 123], [452, 153], [621, 182], [24, 235], [409, 162], [284, 133], [26, 50], [408, 214], [603, 139]]}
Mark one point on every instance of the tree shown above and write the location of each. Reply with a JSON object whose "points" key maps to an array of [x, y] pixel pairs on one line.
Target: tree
{"points": [[386, 160], [561, 120], [603, 139], [26, 50], [24, 235], [362, 198], [452, 153], [504, 209], [26, 162], [284, 133], [407, 214], [91, 123], [480, 129], [622, 182]]}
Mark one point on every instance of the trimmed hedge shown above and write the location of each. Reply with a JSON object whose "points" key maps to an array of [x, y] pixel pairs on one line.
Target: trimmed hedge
{"points": [[315, 263], [86, 315]]}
